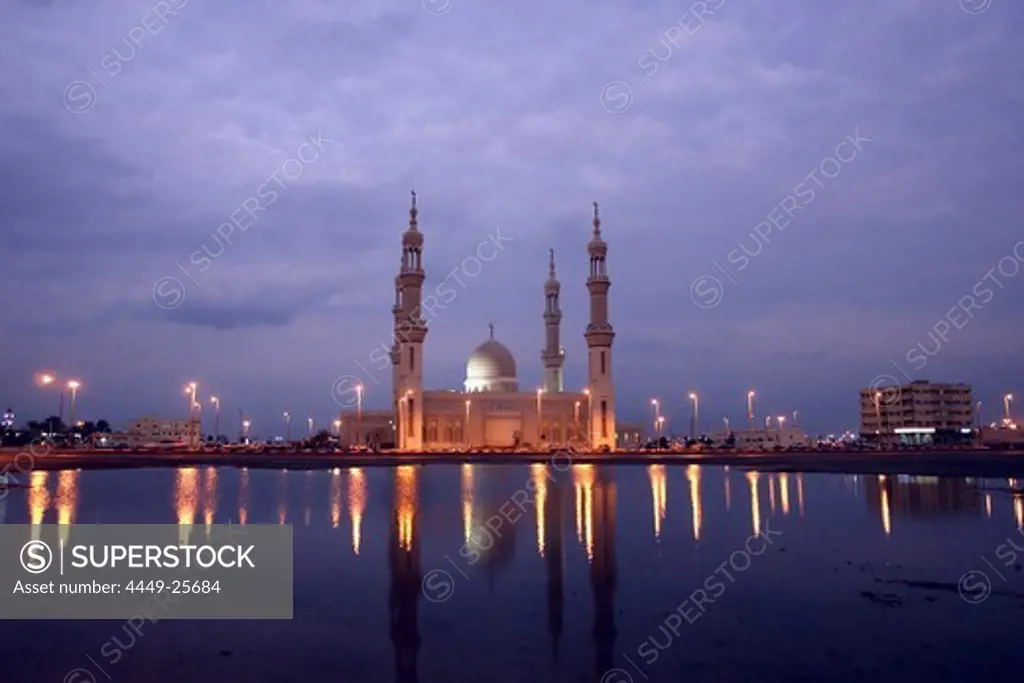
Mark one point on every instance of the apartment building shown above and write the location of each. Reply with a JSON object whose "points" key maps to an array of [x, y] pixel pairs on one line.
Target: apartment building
{"points": [[920, 412]]}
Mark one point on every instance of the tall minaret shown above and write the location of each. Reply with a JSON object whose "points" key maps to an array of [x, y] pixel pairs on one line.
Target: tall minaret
{"points": [[409, 337], [599, 336], [553, 357]]}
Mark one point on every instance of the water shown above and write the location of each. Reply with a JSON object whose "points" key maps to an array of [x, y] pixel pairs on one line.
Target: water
{"points": [[594, 582]]}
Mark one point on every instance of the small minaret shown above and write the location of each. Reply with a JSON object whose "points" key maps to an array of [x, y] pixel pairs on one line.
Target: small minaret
{"points": [[553, 357], [599, 336], [410, 333]]}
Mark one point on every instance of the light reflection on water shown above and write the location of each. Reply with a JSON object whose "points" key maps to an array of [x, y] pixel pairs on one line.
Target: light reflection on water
{"points": [[638, 553]]}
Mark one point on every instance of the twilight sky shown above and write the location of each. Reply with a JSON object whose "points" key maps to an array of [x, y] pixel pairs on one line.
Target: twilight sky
{"points": [[130, 132]]}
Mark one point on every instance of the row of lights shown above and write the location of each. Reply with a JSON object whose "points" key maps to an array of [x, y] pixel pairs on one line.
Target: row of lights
{"points": [[195, 406], [659, 419]]}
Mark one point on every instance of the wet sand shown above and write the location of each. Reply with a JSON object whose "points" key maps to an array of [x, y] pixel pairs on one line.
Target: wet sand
{"points": [[969, 463]]}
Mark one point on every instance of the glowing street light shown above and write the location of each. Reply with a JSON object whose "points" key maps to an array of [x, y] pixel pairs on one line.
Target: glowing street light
{"points": [[657, 415], [309, 421], [73, 385], [245, 428], [1006, 405], [465, 426], [359, 413], [46, 379], [540, 418], [216, 429], [337, 428], [287, 426], [750, 407], [590, 417], [696, 414]]}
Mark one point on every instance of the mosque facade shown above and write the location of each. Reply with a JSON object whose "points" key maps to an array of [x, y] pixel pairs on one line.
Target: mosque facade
{"points": [[491, 411]]}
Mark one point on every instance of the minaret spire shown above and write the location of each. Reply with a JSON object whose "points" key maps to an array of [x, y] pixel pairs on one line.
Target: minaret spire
{"points": [[413, 213], [552, 357], [599, 336]]}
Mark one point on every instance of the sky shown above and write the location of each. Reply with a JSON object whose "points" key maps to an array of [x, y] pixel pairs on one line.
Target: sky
{"points": [[797, 197]]}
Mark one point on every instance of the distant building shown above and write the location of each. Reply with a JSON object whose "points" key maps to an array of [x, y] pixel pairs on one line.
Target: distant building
{"points": [[921, 412], [376, 428], [156, 430], [1006, 434], [762, 438], [629, 436], [7, 424]]}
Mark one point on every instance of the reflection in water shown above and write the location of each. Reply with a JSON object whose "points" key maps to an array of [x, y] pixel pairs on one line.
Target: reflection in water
{"points": [[554, 557], [784, 491], [335, 500], [209, 497], [659, 496], [771, 492], [404, 565], [693, 474], [186, 499], [988, 504], [67, 502], [243, 496], [583, 477], [356, 504], [38, 500], [307, 498], [467, 502], [884, 502], [800, 492], [603, 575], [1018, 511], [283, 491], [755, 503], [539, 477], [728, 490]]}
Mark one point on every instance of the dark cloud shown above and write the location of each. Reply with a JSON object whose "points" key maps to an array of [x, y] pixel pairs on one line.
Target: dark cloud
{"points": [[495, 115]]}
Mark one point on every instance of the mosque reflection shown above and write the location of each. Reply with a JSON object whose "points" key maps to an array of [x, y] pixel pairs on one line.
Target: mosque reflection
{"points": [[584, 498]]}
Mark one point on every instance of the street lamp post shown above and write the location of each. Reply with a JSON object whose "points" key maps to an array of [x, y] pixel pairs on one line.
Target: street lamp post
{"points": [[216, 420], [337, 428], [190, 391], [878, 418], [540, 418], [576, 417], [657, 417], [287, 427], [1006, 405], [977, 408], [245, 428], [696, 414], [465, 427], [782, 425], [750, 408], [661, 424], [359, 413], [309, 421], [73, 386], [590, 418]]}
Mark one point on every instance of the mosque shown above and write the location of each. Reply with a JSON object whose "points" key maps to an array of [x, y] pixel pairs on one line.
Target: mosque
{"points": [[491, 411]]}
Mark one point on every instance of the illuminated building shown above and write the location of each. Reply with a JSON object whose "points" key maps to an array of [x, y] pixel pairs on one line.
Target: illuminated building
{"points": [[921, 412], [490, 410]]}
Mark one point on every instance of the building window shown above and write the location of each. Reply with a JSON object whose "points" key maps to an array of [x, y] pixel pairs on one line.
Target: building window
{"points": [[602, 363], [412, 358], [604, 419], [409, 414]]}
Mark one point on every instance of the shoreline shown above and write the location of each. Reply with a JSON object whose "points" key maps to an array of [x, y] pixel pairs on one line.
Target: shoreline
{"points": [[978, 463]]}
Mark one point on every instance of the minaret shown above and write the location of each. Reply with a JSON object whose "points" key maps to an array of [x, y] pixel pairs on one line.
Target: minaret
{"points": [[553, 357], [599, 336], [410, 333]]}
